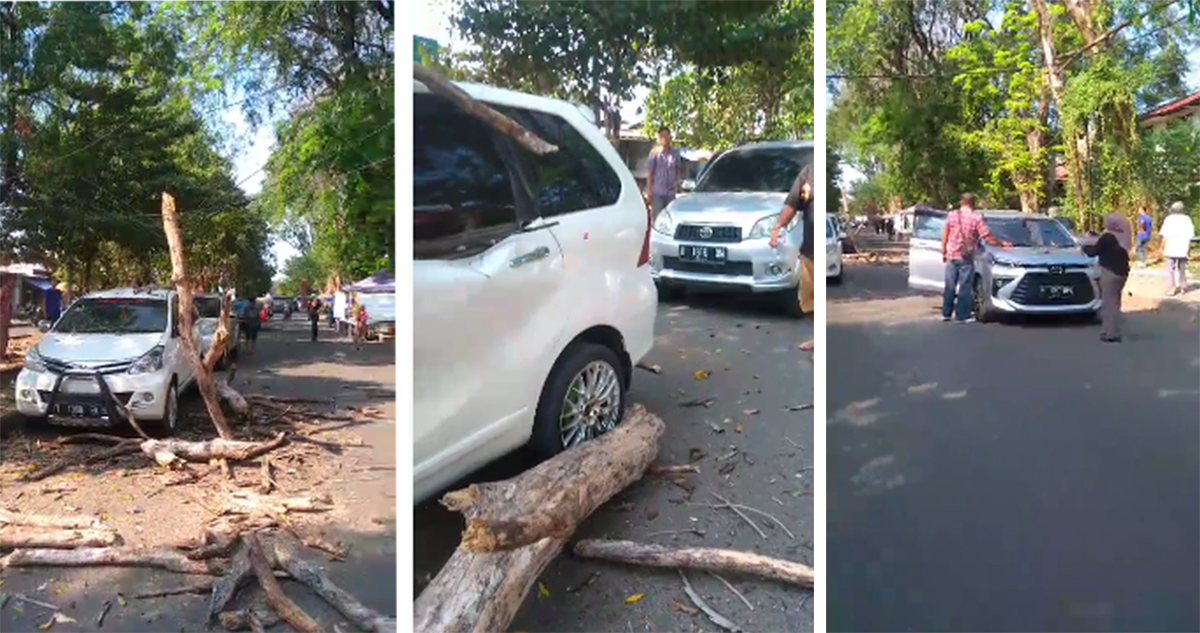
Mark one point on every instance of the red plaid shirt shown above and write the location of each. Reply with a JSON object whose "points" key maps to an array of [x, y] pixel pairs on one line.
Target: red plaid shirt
{"points": [[963, 230]]}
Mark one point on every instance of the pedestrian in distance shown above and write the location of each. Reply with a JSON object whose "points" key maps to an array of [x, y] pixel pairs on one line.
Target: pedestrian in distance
{"points": [[251, 323], [799, 199], [664, 172], [1177, 232], [960, 238], [314, 315], [1112, 249], [1145, 225]]}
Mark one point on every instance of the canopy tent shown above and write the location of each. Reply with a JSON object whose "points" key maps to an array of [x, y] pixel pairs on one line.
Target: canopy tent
{"points": [[380, 282]]}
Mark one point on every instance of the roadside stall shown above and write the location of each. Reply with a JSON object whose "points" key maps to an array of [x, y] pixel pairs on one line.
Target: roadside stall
{"points": [[377, 296]]}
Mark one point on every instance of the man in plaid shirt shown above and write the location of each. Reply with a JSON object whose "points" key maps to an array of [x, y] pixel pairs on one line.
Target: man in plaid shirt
{"points": [[960, 236]]}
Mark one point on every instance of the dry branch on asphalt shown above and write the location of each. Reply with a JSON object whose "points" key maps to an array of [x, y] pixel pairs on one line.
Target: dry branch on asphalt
{"points": [[717, 618], [219, 448], [279, 601], [481, 591], [108, 556], [706, 558], [20, 536], [554, 497], [49, 521], [225, 587], [305, 572], [685, 469]]}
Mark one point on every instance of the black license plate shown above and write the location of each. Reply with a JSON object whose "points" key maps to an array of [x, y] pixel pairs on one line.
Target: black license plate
{"points": [[1058, 292], [79, 411], [712, 254]]}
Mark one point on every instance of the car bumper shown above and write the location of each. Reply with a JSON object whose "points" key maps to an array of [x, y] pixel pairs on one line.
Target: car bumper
{"points": [[79, 399], [1019, 291], [749, 265], [833, 261]]}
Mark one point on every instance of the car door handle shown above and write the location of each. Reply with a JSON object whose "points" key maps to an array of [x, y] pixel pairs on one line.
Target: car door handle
{"points": [[534, 255]]}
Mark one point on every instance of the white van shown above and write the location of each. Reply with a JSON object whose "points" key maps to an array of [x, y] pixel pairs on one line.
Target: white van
{"points": [[532, 295]]}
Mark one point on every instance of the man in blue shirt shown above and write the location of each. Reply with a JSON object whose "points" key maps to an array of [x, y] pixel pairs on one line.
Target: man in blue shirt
{"points": [[1145, 223]]}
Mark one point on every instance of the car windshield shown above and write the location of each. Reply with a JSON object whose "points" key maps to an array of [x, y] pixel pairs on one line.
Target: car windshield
{"points": [[379, 307], [114, 316], [208, 307], [1030, 232], [755, 170]]}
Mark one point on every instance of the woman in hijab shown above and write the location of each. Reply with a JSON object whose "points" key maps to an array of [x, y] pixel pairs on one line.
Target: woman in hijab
{"points": [[1112, 249]]}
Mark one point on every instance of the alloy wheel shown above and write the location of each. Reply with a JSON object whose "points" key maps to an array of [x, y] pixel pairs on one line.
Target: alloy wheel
{"points": [[592, 403]]}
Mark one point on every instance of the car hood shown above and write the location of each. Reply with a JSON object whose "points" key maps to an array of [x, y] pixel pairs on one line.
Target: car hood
{"points": [[742, 208], [1042, 255], [96, 348]]}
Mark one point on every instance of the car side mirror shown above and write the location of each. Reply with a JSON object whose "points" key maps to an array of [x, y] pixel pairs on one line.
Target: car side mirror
{"points": [[44, 326], [688, 186]]}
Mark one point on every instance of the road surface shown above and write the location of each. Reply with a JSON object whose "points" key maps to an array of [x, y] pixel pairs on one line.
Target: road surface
{"points": [[755, 364], [1019, 476]]}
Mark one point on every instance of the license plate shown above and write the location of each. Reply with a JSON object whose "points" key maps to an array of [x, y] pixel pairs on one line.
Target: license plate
{"points": [[80, 411], [1057, 292], [714, 254], [80, 385]]}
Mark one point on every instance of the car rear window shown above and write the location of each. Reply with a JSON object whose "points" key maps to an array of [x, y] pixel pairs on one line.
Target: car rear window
{"points": [[114, 316]]}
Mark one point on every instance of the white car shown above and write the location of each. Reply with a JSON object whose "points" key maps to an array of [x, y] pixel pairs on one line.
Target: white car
{"points": [[532, 295], [718, 235], [120, 343], [833, 251]]}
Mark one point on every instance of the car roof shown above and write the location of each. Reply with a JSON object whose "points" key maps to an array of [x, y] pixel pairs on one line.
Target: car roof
{"points": [[501, 96], [783, 144], [131, 293]]}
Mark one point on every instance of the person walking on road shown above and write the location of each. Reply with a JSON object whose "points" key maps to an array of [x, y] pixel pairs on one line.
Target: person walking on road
{"points": [[1177, 232], [664, 172], [314, 315], [1145, 225], [251, 323], [800, 199], [960, 236], [1112, 249]]}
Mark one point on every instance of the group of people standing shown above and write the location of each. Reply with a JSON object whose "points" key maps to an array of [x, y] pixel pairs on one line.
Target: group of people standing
{"points": [[965, 228]]}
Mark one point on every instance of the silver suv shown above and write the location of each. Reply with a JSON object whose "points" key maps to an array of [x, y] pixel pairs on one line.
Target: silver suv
{"points": [[1044, 272]]}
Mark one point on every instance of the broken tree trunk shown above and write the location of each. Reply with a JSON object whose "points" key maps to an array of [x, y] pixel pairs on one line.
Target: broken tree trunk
{"points": [[14, 536], [183, 286], [554, 497], [111, 556], [439, 86], [707, 558], [283, 605], [218, 448], [303, 571], [235, 399], [481, 591]]}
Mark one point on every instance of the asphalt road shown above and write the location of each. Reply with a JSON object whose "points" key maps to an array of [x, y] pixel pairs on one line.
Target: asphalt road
{"points": [[1009, 477], [756, 364]]}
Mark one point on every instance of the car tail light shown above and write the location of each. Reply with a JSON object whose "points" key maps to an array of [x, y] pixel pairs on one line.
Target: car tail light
{"points": [[644, 256]]}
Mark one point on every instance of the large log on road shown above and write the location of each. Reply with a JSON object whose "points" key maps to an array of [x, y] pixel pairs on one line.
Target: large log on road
{"points": [[554, 497], [537, 512]]}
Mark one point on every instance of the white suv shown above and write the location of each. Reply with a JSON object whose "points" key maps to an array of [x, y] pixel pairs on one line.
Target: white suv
{"points": [[532, 295], [120, 343]]}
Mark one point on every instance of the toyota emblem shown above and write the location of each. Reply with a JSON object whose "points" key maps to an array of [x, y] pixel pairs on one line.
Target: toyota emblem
{"points": [[1056, 270], [706, 232]]}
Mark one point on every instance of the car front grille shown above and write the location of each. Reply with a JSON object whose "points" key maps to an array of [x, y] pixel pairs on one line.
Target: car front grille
{"points": [[701, 233], [1029, 290], [63, 367], [726, 268]]}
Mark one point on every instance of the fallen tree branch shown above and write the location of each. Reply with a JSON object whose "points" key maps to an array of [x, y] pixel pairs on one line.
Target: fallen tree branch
{"points": [[554, 497], [49, 521], [439, 86], [234, 450], [685, 469], [201, 587], [712, 613], [730, 586], [225, 587], [283, 605], [705, 558], [305, 572], [110, 556], [738, 511], [17, 536]]}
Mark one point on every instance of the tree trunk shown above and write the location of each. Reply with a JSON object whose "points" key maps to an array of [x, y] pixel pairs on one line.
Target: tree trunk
{"points": [[707, 558], [108, 556], [179, 278], [554, 497], [219, 448], [13, 536], [1055, 78], [481, 591], [6, 300]]}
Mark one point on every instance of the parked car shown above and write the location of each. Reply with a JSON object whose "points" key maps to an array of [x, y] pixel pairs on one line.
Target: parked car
{"points": [[1044, 272], [121, 344], [532, 295], [381, 315], [717, 236], [834, 237], [208, 309]]}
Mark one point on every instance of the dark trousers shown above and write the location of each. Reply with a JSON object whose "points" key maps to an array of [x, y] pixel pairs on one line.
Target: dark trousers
{"points": [[960, 274], [313, 323]]}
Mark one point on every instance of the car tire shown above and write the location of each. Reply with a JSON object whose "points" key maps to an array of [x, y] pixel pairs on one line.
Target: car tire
{"points": [[789, 303], [602, 363], [983, 313], [835, 280], [169, 423], [670, 292]]}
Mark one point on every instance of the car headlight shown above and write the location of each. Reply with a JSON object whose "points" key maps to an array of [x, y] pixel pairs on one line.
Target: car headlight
{"points": [[1001, 261], [149, 363], [664, 223], [33, 360], [762, 228]]}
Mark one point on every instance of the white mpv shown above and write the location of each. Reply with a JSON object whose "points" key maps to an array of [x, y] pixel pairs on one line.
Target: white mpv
{"points": [[120, 343], [532, 295]]}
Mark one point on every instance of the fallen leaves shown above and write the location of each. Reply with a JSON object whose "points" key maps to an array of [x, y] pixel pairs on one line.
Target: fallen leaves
{"points": [[543, 591], [57, 618], [750, 411], [634, 598], [702, 374], [683, 608]]}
